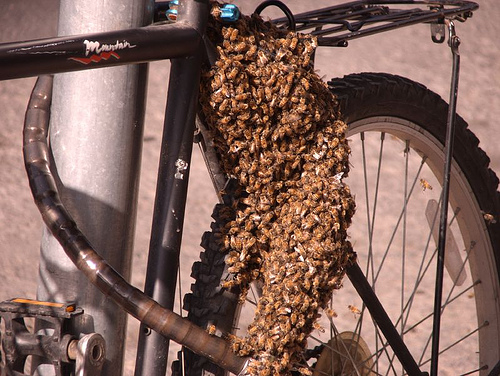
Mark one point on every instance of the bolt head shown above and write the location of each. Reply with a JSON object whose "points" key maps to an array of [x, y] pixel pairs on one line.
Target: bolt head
{"points": [[229, 13]]}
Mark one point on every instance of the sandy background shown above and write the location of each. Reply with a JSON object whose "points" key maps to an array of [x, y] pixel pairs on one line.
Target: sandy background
{"points": [[408, 52]]}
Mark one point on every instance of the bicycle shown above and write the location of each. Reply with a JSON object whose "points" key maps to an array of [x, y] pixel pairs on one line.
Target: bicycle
{"points": [[365, 84]]}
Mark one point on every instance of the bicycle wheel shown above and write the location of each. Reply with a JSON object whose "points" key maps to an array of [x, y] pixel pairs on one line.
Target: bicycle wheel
{"points": [[396, 130]]}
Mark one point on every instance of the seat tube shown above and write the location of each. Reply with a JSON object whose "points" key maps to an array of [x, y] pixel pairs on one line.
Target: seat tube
{"points": [[96, 136], [171, 191]]}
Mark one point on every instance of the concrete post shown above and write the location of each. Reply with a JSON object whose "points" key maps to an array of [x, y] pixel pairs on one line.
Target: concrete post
{"points": [[96, 138]]}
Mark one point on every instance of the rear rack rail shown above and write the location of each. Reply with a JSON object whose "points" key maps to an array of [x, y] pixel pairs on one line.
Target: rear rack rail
{"points": [[335, 26]]}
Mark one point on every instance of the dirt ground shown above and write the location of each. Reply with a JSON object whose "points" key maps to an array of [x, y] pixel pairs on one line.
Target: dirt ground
{"points": [[407, 52]]}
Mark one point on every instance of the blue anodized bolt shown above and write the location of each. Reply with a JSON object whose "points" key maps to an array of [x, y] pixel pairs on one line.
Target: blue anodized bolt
{"points": [[172, 12], [229, 13]]}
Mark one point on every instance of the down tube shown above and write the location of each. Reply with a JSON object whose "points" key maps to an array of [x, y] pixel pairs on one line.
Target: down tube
{"points": [[168, 216]]}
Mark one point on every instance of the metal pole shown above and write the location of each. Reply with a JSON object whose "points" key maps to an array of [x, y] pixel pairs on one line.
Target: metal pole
{"points": [[96, 137]]}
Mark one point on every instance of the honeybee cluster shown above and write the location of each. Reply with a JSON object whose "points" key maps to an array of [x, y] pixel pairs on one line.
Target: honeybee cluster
{"points": [[276, 130]]}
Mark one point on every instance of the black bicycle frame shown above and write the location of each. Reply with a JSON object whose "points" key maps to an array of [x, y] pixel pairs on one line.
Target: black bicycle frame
{"points": [[66, 54], [183, 42]]}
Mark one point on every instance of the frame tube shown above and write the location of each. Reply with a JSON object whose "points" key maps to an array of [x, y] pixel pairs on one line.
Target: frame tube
{"points": [[82, 52], [383, 321], [171, 192], [168, 216]]}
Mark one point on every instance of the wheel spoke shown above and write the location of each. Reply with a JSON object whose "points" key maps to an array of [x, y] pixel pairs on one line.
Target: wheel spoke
{"points": [[371, 221], [428, 316], [458, 341], [403, 250], [393, 235], [409, 182]]}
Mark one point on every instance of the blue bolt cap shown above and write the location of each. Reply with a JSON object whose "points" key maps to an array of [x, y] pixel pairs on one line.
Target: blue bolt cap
{"points": [[172, 14], [229, 13]]}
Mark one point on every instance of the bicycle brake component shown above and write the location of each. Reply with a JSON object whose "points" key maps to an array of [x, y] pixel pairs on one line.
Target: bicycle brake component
{"points": [[55, 344]]}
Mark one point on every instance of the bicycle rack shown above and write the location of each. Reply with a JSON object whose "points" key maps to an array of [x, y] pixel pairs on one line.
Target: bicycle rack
{"points": [[358, 19]]}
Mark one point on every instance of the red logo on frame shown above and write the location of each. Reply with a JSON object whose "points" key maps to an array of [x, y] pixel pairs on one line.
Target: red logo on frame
{"points": [[101, 51]]}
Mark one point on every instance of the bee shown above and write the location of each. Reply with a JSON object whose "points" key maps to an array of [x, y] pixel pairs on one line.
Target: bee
{"points": [[225, 104], [305, 83], [233, 34], [253, 167], [253, 329], [271, 81], [285, 327], [489, 218], [307, 286], [425, 185], [283, 102], [226, 31], [241, 96], [301, 322], [330, 313], [281, 53], [240, 47], [261, 58], [225, 120], [318, 327], [246, 115], [267, 217], [293, 43], [305, 371], [215, 11], [268, 93], [211, 330], [232, 75], [354, 310], [251, 52]]}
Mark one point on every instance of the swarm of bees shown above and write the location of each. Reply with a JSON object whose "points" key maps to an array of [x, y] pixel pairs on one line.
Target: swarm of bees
{"points": [[277, 131]]}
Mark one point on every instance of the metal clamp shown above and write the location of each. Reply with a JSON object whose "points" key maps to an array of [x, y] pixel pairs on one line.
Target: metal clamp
{"points": [[453, 40]]}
